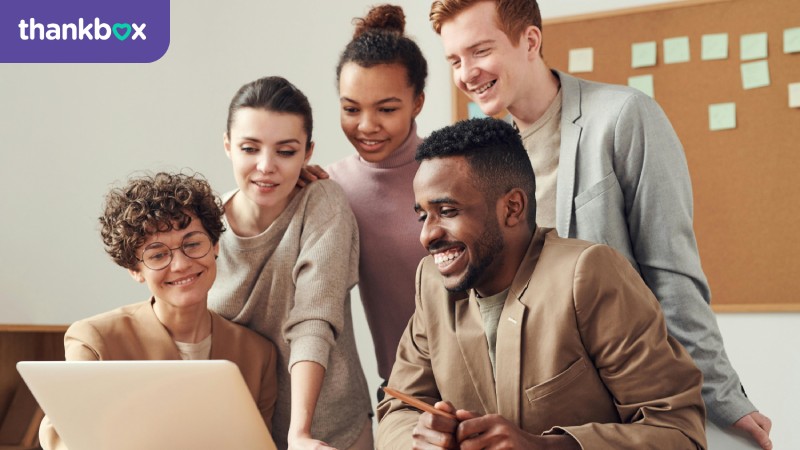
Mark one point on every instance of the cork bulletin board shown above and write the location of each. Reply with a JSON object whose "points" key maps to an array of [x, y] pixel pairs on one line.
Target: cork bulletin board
{"points": [[746, 180]]}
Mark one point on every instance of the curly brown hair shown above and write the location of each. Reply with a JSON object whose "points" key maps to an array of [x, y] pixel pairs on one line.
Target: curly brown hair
{"points": [[156, 203]]}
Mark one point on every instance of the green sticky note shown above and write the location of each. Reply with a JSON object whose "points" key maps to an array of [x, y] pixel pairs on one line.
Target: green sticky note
{"points": [[791, 40], [643, 54], [794, 95], [474, 111], [755, 74], [714, 46], [753, 46], [581, 60], [643, 83], [722, 116], [676, 50]]}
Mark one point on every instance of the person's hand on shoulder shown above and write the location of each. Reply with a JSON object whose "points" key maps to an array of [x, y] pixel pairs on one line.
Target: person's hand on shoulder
{"points": [[758, 427], [495, 431], [310, 173], [435, 431]]}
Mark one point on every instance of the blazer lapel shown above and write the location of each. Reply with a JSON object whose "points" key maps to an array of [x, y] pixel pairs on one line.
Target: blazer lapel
{"points": [[570, 136], [511, 336], [475, 350], [509, 354]]}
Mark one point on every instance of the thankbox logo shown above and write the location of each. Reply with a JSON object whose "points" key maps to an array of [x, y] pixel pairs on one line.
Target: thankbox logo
{"points": [[83, 30], [31, 30]]}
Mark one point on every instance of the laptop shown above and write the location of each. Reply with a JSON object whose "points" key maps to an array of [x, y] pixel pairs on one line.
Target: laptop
{"points": [[135, 405]]}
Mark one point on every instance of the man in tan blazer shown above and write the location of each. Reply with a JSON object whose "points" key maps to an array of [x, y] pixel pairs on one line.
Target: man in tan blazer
{"points": [[530, 340]]}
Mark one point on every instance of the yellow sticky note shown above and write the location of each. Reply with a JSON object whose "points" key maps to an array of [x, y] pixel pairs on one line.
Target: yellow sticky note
{"points": [[753, 46], [791, 40], [722, 116], [643, 54], [714, 46], [676, 50], [794, 95], [755, 74], [581, 60], [643, 83]]}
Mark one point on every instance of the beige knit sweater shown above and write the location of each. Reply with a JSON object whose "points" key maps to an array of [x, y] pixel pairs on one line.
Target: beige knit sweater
{"points": [[292, 284]]}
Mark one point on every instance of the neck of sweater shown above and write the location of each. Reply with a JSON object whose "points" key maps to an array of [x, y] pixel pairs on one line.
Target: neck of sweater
{"points": [[402, 155]]}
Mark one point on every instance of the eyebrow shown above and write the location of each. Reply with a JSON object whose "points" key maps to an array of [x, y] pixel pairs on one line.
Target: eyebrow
{"points": [[437, 201], [472, 47], [281, 142], [379, 102]]}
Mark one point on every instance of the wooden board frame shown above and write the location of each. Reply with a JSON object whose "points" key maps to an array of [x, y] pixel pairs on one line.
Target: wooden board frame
{"points": [[747, 199]]}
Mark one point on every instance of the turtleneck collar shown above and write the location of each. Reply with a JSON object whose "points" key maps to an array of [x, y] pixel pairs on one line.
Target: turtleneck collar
{"points": [[400, 157]]}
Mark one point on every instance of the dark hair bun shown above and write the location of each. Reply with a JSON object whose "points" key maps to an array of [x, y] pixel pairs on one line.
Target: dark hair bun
{"points": [[382, 17]]}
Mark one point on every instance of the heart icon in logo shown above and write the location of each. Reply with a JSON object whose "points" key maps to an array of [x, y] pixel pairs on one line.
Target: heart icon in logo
{"points": [[121, 26]]}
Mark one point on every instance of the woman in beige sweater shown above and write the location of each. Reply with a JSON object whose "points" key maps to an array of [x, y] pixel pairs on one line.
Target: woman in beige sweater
{"points": [[287, 263]]}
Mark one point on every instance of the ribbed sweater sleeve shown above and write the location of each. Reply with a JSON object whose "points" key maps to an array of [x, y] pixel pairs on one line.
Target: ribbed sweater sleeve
{"points": [[323, 273]]}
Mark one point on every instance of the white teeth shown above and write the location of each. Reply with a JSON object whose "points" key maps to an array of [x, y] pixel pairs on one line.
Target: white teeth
{"points": [[266, 185], [485, 87], [440, 258], [370, 142], [182, 282]]}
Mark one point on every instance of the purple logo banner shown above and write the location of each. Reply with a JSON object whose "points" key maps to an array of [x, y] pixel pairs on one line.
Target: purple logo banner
{"points": [[83, 31]]}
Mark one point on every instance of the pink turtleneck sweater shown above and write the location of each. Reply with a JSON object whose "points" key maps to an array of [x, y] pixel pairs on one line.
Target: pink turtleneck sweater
{"points": [[381, 196]]}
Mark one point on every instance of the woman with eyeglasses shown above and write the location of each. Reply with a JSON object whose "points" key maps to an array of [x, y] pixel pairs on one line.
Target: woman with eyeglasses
{"points": [[164, 229], [286, 266]]}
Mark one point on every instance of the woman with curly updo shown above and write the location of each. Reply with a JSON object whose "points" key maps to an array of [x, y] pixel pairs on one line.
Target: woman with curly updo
{"points": [[381, 77], [164, 229]]}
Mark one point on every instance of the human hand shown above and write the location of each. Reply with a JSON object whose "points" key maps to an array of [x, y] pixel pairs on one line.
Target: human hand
{"points": [[310, 173], [494, 431], [434, 431], [758, 427], [307, 443]]}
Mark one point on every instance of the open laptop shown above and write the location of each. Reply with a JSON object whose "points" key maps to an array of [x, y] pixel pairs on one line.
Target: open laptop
{"points": [[148, 404]]}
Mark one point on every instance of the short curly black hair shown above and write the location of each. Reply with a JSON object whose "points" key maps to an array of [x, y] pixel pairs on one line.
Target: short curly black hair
{"points": [[494, 151], [156, 203]]}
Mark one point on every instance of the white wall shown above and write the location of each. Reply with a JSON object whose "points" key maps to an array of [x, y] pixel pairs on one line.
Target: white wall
{"points": [[67, 131]]}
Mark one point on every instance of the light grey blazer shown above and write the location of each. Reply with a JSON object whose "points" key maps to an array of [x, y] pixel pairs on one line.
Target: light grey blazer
{"points": [[623, 181]]}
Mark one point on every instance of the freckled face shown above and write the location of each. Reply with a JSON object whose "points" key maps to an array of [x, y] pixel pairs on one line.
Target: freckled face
{"points": [[267, 150], [459, 229], [378, 108]]}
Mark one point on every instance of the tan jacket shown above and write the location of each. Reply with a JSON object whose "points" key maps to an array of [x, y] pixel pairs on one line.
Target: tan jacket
{"points": [[582, 348], [133, 332]]}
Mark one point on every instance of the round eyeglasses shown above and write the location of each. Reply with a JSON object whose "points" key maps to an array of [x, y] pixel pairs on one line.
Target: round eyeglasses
{"points": [[158, 256]]}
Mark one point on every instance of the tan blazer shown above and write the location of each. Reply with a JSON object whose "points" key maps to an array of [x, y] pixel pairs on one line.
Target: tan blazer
{"points": [[582, 348], [133, 332]]}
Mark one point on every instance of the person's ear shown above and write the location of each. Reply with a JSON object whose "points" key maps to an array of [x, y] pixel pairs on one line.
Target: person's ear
{"points": [[532, 39], [309, 152], [418, 102], [226, 141], [136, 275], [515, 204]]}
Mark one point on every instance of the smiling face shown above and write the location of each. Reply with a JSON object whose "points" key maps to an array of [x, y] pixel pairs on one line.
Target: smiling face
{"points": [[488, 67], [460, 229], [378, 108], [185, 282], [267, 150]]}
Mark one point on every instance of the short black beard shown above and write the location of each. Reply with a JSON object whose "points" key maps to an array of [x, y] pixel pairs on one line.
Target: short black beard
{"points": [[488, 246]]}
